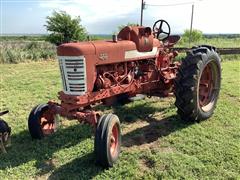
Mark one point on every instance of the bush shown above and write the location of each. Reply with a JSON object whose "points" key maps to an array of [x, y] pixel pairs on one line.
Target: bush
{"points": [[32, 45], [16, 52], [196, 35]]}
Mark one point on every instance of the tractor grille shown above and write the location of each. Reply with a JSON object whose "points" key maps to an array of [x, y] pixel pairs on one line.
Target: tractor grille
{"points": [[73, 73]]}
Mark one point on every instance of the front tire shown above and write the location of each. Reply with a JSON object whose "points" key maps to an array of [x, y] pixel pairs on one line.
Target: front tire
{"points": [[198, 83], [41, 122], [107, 140]]}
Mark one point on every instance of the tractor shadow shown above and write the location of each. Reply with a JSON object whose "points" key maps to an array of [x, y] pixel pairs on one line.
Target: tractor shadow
{"points": [[24, 150], [153, 131], [80, 168], [157, 127]]}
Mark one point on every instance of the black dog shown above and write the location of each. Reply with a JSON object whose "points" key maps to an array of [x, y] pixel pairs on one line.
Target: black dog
{"points": [[5, 132]]}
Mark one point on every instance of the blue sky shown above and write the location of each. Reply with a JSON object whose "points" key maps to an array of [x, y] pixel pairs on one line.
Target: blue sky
{"points": [[103, 17]]}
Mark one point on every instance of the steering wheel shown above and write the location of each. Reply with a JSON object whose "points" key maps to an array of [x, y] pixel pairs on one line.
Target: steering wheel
{"points": [[161, 29]]}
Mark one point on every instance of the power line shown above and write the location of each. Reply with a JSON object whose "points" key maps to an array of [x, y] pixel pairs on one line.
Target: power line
{"points": [[143, 6], [175, 4]]}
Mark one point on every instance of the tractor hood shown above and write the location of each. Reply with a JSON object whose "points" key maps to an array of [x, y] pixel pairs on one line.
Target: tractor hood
{"points": [[135, 42], [107, 51], [75, 49], [94, 48]]}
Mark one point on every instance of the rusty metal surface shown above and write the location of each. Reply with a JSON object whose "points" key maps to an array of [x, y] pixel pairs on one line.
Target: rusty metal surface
{"points": [[136, 63], [141, 36]]}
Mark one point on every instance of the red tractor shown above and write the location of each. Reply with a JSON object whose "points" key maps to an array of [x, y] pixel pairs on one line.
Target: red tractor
{"points": [[140, 60]]}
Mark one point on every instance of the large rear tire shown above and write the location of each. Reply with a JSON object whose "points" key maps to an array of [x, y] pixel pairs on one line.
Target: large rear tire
{"points": [[198, 83], [107, 140]]}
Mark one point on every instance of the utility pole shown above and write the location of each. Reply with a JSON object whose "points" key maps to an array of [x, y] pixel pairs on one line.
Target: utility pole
{"points": [[191, 25], [142, 7]]}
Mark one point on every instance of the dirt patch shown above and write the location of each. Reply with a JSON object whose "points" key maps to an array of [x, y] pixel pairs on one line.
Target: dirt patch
{"points": [[233, 98], [146, 164], [147, 133], [43, 177], [127, 146], [45, 168], [135, 136], [133, 126], [154, 147]]}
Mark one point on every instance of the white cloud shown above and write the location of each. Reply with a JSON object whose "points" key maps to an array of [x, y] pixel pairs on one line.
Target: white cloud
{"points": [[210, 16], [216, 16], [94, 10]]}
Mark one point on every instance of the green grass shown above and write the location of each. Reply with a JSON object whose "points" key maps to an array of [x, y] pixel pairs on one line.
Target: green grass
{"points": [[217, 42], [156, 144]]}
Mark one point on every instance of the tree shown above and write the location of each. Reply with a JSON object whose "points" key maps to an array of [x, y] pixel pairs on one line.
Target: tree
{"points": [[64, 29], [196, 35]]}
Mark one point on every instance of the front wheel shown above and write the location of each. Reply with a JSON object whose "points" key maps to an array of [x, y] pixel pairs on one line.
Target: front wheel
{"points": [[197, 84], [41, 121], [107, 140]]}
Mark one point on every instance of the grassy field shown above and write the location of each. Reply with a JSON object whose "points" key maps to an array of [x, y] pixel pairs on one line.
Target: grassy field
{"points": [[156, 144], [14, 49], [217, 42], [18, 51]]}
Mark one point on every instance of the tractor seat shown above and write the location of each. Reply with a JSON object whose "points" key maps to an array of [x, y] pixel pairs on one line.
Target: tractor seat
{"points": [[171, 40]]}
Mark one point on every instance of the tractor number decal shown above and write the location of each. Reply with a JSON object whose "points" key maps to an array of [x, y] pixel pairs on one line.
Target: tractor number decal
{"points": [[103, 56]]}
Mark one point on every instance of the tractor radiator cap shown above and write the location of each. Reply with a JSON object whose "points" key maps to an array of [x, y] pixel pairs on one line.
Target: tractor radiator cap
{"points": [[114, 38]]}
